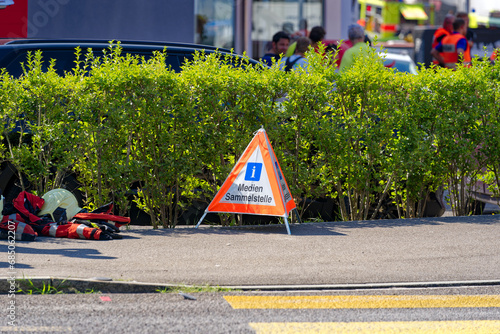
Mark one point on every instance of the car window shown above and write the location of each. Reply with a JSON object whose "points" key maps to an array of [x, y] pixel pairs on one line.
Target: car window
{"points": [[65, 60], [171, 60]]}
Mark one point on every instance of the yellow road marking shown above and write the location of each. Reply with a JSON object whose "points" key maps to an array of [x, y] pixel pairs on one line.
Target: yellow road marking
{"points": [[343, 302], [414, 327]]}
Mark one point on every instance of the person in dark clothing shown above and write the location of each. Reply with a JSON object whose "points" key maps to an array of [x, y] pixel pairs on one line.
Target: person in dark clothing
{"points": [[280, 43], [317, 35]]}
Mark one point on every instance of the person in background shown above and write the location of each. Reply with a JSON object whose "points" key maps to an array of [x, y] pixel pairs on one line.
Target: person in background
{"points": [[359, 46], [280, 43], [452, 47], [470, 35], [317, 35], [302, 32], [494, 55], [287, 27], [344, 46], [367, 40], [440, 33], [298, 58]]}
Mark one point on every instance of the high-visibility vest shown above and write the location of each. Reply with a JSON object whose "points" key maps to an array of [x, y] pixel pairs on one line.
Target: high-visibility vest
{"points": [[439, 34], [450, 54]]}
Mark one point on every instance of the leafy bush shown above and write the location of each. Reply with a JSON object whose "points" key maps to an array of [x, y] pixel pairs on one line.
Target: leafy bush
{"points": [[376, 141]]}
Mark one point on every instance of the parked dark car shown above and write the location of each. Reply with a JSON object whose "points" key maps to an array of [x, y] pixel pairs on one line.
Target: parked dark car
{"points": [[15, 52]]}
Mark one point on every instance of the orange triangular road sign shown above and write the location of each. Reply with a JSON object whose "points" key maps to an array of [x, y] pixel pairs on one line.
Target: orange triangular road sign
{"points": [[256, 184]]}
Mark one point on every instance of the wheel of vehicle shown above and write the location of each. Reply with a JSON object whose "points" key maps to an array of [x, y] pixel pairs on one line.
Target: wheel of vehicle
{"points": [[476, 207], [13, 188], [137, 216], [193, 213], [11, 192], [324, 209], [434, 207]]}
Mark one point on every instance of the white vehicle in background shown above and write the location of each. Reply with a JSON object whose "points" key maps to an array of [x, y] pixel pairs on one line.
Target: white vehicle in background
{"points": [[5, 3], [400, 61]]}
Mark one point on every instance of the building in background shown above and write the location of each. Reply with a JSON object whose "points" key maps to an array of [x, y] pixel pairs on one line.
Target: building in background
{"points": [[124, 19], [244, 25]]}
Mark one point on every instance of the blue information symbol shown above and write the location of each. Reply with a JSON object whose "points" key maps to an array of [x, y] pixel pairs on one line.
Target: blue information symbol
{"points": [[253, 171]]}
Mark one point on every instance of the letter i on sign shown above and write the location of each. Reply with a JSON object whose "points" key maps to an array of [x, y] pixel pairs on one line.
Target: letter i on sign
{"points": [[253, 172]]}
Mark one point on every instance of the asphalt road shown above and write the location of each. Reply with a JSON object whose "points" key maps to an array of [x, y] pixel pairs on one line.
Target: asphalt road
{"points": [[363, 252], [212, 313]]}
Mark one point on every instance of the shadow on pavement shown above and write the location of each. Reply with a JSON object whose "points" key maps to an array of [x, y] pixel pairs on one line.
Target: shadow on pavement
{"points": [[4, 265], [297, 229], [84, 253], [324, 228], [480, 219]]}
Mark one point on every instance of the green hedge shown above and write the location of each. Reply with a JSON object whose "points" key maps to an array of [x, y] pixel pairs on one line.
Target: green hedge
{"points": [[365, 137]]}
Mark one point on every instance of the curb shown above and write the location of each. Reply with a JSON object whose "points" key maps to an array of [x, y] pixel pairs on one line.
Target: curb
{"points": [[71, 285], [107, 285]]}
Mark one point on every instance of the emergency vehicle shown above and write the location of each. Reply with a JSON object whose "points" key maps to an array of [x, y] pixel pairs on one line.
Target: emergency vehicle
{"points": [[387, 19]]}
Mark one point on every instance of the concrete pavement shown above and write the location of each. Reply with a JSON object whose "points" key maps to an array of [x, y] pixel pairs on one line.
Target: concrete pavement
{"points": [[445, 250]]}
